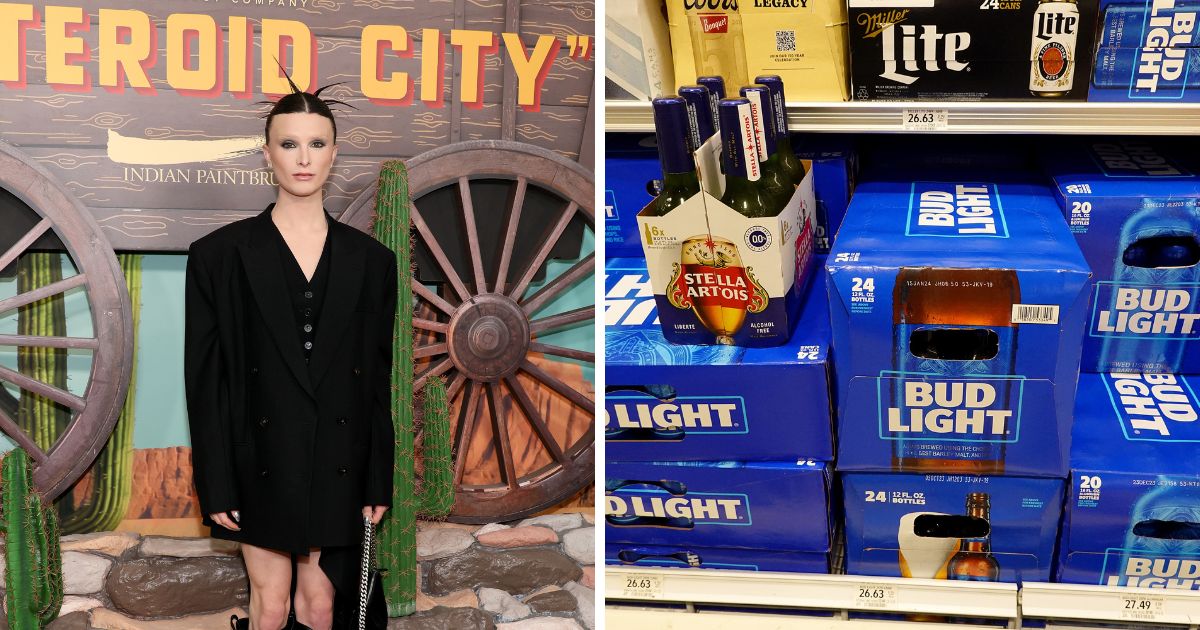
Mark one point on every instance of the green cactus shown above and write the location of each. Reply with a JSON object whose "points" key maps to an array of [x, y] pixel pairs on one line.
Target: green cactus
{"points": [[41, 418], [437, 489], [32, 553], [112, 474]]}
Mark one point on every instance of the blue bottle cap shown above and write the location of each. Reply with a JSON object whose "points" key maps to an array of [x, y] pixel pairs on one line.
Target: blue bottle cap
{"points": [[700, 112], [671, 127], [775, 83], [715, 84]]}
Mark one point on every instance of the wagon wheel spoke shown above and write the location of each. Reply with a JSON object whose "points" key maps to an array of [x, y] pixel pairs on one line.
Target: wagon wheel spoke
{"points": [[464, 191], [535, 419], [431, 350], [432, 298], [575, 316], [544, 252], [54, 288], [10, 428], [465, 429], [439, 254], [570, 353], [509, 236], [579, 270], [438, 368], [24, 242], [430, 325], [455, 385], [500, 437], [583, 402], [36, 341], [42, 389]]}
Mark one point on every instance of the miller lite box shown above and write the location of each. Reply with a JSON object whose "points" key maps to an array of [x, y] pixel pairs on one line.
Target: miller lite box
{"points": [[835, 167], [1132, 205], [957, 50], [951, 527], [1133, 508], [720, 277], [727, 505], [1147, 52], [801, 41], [957, 307], [632, 178], [665, 401], [691, 557]]}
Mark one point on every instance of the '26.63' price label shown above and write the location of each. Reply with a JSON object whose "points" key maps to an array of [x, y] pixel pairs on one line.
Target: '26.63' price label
{"points": [[877, 596], [1142, 607], [925, 120], [642, 586]]}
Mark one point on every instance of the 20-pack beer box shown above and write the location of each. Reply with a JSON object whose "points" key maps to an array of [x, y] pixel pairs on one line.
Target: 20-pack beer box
{"points": [[1134, 207], [670, 402], [728, 505], [1147, 52], [957, 307], [945, 526], [971, 51], [1133, 508]]}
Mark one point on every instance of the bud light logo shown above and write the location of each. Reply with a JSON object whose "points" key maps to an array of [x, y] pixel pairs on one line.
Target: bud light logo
{"points": [[1155, 407], [628, 298], [651, 506], [688, 415], [1124, 567], [610, 206], [1134, 159], [1162, 65], [955, 209], [981, 409], [1145, 312]]}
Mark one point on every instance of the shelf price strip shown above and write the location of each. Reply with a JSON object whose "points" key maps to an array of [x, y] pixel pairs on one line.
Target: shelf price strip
{"points": [[875, 596], [641, 586], [1142, 607], [925, 120]]}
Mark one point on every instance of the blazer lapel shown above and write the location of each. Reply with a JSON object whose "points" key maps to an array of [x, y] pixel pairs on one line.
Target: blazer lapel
{"points": [[265, 272], [341, 297]]}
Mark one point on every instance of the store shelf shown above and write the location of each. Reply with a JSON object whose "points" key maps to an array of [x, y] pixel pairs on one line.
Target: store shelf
{"points": [[628, 590], [997, 117]]}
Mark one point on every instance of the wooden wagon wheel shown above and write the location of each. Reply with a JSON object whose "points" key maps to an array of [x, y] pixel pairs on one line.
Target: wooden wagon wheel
{"points": [[483, 333], [95, 412]]}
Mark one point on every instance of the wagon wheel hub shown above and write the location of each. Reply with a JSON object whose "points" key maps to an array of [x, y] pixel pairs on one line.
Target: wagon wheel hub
{"points": [[489, 337]]}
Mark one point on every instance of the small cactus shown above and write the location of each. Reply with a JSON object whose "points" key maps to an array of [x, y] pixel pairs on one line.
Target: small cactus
{"points": [[437, 489], [32, 555]]}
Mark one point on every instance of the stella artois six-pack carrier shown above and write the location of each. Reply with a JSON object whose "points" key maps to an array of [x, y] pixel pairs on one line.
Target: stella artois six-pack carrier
{"points": [[723, 278], [971, 50], [802, 41]]}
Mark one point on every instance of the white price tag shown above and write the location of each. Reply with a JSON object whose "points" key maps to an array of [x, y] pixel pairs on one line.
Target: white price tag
{"points": [[642, 587], [925, 120], [875, 596], [1142, 607]]}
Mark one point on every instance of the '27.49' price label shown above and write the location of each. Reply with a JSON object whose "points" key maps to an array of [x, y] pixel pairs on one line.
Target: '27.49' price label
{"points": [[876, 596], [642, 586], [925, 120], [1142, 607]]}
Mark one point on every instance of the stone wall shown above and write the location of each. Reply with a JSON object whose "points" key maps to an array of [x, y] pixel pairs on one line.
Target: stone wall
{"points": [[537, 574]]}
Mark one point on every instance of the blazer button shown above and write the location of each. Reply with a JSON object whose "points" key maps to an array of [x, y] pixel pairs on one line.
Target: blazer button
{"points": [[264, 473], [342, 470], [341, 421], [357, 371], [264, 421]]}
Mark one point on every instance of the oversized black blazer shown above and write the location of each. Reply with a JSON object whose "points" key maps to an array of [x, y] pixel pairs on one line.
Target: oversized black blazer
{"points": [[298, 449]]}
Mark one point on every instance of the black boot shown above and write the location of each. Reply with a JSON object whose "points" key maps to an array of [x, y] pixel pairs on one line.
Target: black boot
{"points": [[244, 624]]}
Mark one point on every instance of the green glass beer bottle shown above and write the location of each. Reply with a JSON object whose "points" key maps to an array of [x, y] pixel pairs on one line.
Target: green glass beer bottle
{"points": [[791, 165], [743, 187], [674, 154], [778, 184]]}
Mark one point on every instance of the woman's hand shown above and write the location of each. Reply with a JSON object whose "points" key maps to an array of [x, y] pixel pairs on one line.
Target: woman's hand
{"points": [[374, 512], [228, 520]]}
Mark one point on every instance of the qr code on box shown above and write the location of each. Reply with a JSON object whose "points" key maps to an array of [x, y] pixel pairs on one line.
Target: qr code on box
{"points": [[785, 41]]}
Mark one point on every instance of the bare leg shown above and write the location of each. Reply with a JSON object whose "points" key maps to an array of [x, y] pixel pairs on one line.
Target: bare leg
{"points": [[314, 592], [270, 574]]}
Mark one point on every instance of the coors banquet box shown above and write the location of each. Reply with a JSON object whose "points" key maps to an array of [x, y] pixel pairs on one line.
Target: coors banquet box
{"points": [[1133, 512], [971, 50], [957, 307]]}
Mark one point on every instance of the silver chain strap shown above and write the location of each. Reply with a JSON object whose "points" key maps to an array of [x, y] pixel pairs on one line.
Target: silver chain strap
{"points": [[364, 580]]}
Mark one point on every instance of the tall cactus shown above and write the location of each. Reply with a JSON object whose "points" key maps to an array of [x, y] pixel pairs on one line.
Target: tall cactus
{"points": [[112, 474], [41, 418], [32, 555], [437, 488]]}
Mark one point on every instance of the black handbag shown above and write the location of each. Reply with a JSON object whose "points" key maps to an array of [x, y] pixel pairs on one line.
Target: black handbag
{"points": [[372, 606]]}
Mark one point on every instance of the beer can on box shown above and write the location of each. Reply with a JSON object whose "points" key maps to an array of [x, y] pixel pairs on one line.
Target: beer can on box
{"points": [[1133, 508], [922, 526], [1147, 52], [957, 307], [723, 278], [802, 41]]}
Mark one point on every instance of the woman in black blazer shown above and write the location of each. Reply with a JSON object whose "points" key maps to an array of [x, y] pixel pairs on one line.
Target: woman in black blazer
{"points": [[287, 366]]}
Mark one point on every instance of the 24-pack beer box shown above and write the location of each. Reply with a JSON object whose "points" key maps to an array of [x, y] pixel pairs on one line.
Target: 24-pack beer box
{"points": [[671, 402], [957, 307], [1134, 207], [1133, 508], [1148, 52], [971, 51], [947, 526]]}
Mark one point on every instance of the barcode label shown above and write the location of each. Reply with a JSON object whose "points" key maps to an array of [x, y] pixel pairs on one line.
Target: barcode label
{"points": [[785, 41], [1035, 314]]}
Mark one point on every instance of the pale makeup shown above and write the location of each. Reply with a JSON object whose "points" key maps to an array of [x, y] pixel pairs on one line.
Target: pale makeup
{"points": [[301, 153]]}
